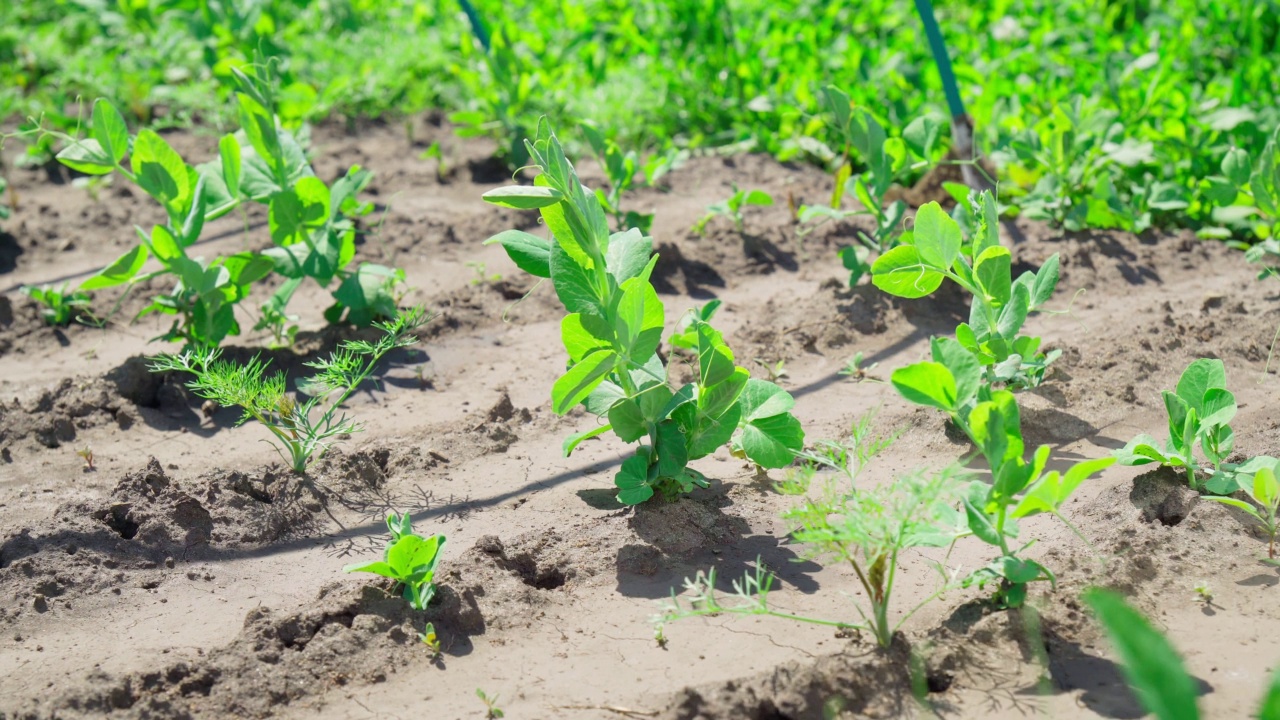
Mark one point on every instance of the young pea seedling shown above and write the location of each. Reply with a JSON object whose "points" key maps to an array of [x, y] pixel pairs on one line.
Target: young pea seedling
{"points": [[856, 370], [59, 305], [87, 455], [411, 561], [1265, 491], [492, 710], [732, 208]]}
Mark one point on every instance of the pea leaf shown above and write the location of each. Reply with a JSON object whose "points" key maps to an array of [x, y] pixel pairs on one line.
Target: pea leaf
{"points": [[903, 272], [937, 236], [772, 442], [119, 272], [110, 131], [575, 385], [927, 383], [523, 197], [530, 253], [1150, 663]]}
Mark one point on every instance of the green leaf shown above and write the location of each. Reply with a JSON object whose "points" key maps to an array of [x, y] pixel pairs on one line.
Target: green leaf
{"points": [[902, 272], [161, 172], [638, 320], [573, 285], [1219, 407], [920, 135], [583, 334], [575, 385], [110, 131], [1150, 663], [530, 253], [1242, 505], [715, 400], [772, 442], [964, 367], [992, 271], [86, 156], [523, 197], [229, 151], [980, 525], [1236, 167], [572, 442], [710, 433], [927, 383], [1270, 708], [1014, 314], [1198, 378], [937, 236], [672, 452], [715, 359], [1046, 282], [413, 555], [377, 567], [632, 480], [761, 399], [119, 272], [628, 254], [628, 421]]}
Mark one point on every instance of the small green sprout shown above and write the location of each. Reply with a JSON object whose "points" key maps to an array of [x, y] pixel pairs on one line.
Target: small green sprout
{"points": [[777, 371], [660, 635], [1265, 491], [60, 306], [431, 640], [732, 208], [410, 560], [492, 711], [263, 398], [855, 369], [1203, 592], [87, 455]]}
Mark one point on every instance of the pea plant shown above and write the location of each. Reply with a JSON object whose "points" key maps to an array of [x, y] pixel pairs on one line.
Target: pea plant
{"points": [[299, 438], [1245, 189], [1200, 410], [612, 334], [732, 207], [938, 251], [886, 160], [1019, 489], [1152, 665], [58, 305], [410, 560], [1265, 493], [311, 229], [620, 168]]}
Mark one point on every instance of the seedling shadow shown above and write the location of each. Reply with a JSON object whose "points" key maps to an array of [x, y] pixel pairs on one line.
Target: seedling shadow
{"points": [[698, 276], [10, 250]]}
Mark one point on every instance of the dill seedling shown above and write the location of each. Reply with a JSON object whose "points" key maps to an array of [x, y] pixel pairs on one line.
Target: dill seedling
{"points": [[301, 433]]}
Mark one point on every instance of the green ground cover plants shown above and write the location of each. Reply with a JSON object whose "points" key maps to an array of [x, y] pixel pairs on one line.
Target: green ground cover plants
{"points": [[59, 306], [612, 335], [1099, 115]]}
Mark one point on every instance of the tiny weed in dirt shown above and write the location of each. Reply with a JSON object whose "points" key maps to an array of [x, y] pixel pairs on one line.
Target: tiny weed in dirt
{"points": [[982, 267], [262, 397], [777, 371], [1199, 411], [491, 705], [952, 382], [887, 161], [429, 638], [1265, 492], [856, 370], [1204, 593], [86, 454], [612, 336], [731, 208], [866, 529], [479, 276], [410, 560], [59, 307], [436, 152]]}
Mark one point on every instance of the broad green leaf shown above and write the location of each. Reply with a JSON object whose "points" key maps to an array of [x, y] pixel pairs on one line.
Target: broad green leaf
{"points": [[713, 401], [671, 449], [1242, 505], [920, 135], [758, 197], [632, 480], [1198, 378], [164, 245], [1017, 570], [571, 443], [980, 525], [708, 433], [1237, 167], [937, 236], [992, 271], [523, 197], [628, 421], [119, 272], [1219, 407], [583, 334], [576, 384], [715, 359], [573, 285], [1014, 314], [1150, 664], [638, 320], [110, 131], [161, 172], [990, 236], [964, 367], [530, 253], [927, 383], [86, 156], [377, 567], [902, 272], [761, 399], [603, 397], [628, 254], [413, 556], [773, 441], [229, 151], [1270, 708]]}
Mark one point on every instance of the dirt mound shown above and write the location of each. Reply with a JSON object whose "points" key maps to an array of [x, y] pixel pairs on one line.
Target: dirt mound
{"points": [[52, 415]]}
